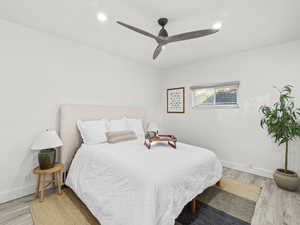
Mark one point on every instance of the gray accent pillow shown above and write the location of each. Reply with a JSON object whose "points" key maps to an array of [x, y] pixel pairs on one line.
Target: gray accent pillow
{"points": [[119, 136]]}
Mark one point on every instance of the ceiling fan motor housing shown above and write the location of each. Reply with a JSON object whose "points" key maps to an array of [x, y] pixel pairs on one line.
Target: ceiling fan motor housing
{"points": [[163, 33], [162, 22]]}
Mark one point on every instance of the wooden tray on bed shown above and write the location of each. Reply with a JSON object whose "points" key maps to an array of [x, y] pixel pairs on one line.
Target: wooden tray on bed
{"points": [[171, 139]]}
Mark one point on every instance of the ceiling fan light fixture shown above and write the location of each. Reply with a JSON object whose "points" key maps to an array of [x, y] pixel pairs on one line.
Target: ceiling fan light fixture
{"points": [[217, 25], [102, 17]]}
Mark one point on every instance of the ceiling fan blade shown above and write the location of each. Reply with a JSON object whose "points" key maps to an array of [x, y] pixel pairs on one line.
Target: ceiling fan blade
{"points": [[140, 31], [157, 51], [191, 35]]}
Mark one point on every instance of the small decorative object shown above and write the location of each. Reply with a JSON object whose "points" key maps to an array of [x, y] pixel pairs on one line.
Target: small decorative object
{"points": [[150, 134], [170, 139], [46, 142], [153, 127], [280, 120], [176, 100]]}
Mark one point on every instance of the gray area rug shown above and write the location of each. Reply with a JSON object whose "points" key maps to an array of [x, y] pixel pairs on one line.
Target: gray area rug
{"points": [[217, 207], [207, 215]]}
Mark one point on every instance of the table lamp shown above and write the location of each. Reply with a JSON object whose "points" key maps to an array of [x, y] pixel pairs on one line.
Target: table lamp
{"points": [[46, 143]]}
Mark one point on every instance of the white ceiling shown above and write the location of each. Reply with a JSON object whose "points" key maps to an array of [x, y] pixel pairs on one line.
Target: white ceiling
{"points": [[247, 24]]}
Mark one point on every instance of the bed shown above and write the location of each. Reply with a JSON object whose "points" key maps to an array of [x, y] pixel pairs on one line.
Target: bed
{"points": [[127, 184]]}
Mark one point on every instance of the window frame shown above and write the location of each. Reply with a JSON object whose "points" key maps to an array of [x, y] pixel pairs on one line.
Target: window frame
{"points": [[215, 87]]}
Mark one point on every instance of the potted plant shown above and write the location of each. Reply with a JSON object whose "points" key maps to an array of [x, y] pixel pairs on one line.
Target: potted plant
{"points": [[280, 120]]}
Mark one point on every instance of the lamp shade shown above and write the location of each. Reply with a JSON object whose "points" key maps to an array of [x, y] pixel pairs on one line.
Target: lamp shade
{"points": [[47, 139], [153, 127]]}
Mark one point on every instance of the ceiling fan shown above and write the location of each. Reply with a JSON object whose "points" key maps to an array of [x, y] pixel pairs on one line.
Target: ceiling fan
{"points": [[163, 37]]}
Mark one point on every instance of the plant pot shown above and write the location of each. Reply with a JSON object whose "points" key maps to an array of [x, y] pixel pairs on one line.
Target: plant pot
{"points": [[287, 180]]}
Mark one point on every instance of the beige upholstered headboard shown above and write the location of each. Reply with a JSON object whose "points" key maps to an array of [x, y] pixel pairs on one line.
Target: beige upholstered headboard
{"points": [[70, 114]]}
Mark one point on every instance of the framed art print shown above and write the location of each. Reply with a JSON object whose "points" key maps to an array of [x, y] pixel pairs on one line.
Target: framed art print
{"points": [[176, 100]]}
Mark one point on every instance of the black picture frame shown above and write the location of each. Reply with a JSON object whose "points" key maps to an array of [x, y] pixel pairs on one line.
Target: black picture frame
{"points": [[182, 89]]}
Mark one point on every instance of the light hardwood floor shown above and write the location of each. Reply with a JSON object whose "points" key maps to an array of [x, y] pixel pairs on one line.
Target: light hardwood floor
{"points": [[274, 207]]}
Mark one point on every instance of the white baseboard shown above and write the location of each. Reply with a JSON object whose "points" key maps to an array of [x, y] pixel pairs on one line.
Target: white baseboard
{"points": [[16, 193], [245, 168]]}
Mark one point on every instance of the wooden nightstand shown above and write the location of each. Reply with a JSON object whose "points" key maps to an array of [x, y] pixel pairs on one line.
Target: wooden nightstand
{"points": [[56, 179]]}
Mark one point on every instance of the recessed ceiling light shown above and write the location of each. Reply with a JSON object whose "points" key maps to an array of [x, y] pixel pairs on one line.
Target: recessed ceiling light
{"points": [[217, 25], [102, 17]]}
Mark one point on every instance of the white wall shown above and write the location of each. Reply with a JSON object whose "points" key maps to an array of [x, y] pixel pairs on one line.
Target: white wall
{"points": [[235, 134], [38, 73]]}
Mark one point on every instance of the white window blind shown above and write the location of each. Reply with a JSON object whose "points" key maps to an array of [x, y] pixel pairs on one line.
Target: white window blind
{"points": [[221, 94]]}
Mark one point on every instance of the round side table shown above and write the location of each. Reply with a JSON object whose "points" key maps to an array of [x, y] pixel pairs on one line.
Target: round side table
{"points": [[56, 179]]}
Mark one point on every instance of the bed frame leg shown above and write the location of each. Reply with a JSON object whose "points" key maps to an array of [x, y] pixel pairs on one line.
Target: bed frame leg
{"points": [[194, 206], [194, 201]]}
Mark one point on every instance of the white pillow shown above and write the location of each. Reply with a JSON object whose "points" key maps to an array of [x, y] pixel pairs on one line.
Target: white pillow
{"points": [[118, 125], [137, 126], [93, 131]]}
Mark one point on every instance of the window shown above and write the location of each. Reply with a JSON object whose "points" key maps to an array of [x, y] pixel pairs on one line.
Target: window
{"points": [[223, 94]]}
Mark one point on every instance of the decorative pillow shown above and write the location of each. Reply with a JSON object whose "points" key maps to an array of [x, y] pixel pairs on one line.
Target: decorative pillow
{"points": [[118, 125], [93, 131], [119, 136], [137, 126]]}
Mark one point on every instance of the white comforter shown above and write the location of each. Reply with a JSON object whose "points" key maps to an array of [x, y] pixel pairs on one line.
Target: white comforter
{"points": [[127, 184]]}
